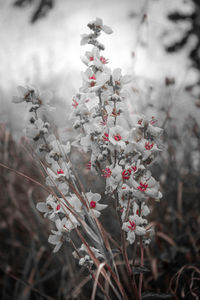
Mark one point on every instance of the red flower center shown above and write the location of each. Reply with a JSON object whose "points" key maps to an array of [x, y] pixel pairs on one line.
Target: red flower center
{"points": [[88, 166], [105, 137], [60, 171], [132, 225], [92, 77], [142, 187], [134, 168], [92, 204], [103, 60], [126, 174], [153, 120], [91, 58], [58, 207], [148, 146], [106, 172], [74, 103], [92, 83], [117, 137]]}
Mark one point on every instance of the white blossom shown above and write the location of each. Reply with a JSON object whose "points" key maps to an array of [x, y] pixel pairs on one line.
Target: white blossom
{"points": [[98, 24], [85, 258], [134, 226], [118, 137], [94, 205], [50, 208]]}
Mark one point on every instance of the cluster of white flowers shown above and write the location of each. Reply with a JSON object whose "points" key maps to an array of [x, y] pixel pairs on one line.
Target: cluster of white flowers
{"points": [[120, 154], [65, 205]]}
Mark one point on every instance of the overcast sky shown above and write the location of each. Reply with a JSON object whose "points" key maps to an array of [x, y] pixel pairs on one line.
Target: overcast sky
{"points": [[47, 53], [50, 47]]}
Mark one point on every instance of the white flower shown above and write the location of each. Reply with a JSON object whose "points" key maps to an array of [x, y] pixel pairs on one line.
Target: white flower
{"points": [[75, 203], [86, 258], [118, 137], [44, 99], [25, 94], [143, 122], [134, 227], [93, 58], [146, 185], [118, 79], [57, 237], [98, 24], [58, 179], [56, 173], [144, 209], [93, 82], [146, 148], [93, 199], [154, 131], [63, 188], [58, 149], [115, 178], [57, 240], [36, 129], [50, 208], [85, 38], [31, 94], [63, 226]]}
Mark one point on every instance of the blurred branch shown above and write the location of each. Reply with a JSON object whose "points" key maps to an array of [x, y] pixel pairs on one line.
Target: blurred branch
{"points": [[22, 3], [179, 44], [178, 17], [41, 10]]}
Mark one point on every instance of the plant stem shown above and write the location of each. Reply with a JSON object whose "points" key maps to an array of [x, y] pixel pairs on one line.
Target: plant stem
{"points": [[141, 264], [128, 267]]}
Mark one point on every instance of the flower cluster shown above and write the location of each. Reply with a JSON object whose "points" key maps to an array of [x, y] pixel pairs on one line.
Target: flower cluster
{"points": [[120, 154], [66, 206]]}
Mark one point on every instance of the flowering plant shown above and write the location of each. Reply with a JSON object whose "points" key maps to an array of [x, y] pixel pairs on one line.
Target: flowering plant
{"points": [[119, 153]]}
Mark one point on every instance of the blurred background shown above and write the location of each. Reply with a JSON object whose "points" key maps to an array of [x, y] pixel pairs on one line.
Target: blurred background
{"points": [[158, 43]]}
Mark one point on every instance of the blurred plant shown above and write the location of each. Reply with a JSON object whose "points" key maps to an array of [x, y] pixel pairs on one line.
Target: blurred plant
{"points": [[41, 9], [119, 153], [188, 26]]}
